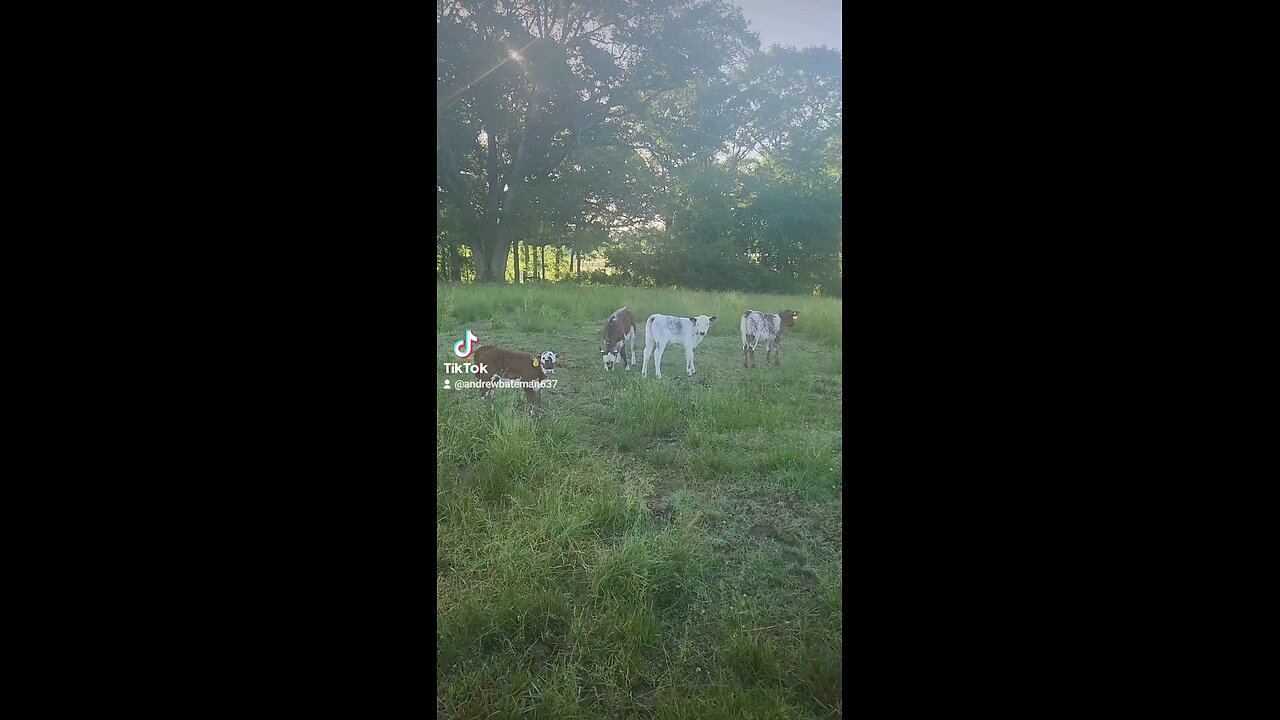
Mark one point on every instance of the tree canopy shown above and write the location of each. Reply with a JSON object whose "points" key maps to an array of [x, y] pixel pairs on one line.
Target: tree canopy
{"points": [[654, 131]]}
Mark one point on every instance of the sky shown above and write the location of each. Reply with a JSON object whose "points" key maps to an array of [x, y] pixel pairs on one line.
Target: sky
{"points": [[801, 23]]}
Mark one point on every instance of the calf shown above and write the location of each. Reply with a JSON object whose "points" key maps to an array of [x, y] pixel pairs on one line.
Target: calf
{"points": [[758, 327], [496, 363], [621, 326], [662, 329]]}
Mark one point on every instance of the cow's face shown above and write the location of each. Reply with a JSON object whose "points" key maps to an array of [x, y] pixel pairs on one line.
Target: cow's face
{"points": [[701, 324], [547, 361], [611, 356], [788, 317]]}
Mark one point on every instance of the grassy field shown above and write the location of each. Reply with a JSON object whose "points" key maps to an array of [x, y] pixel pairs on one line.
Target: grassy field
{"points": [[644, 548]]}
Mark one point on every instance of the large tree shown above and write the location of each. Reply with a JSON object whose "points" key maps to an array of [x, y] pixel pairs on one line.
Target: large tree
{"points": [[796, 186], [571, 100], [751, 197]]}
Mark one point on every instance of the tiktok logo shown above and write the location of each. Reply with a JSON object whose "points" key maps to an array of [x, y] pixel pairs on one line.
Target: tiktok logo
{"points": [[459, 350]]}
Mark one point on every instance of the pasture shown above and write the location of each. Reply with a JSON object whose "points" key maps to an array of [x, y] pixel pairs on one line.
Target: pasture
{"points": [[644, 548]]}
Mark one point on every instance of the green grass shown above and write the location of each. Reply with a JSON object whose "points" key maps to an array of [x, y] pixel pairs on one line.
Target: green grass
{"points": [[644, 548], [542, 308]]}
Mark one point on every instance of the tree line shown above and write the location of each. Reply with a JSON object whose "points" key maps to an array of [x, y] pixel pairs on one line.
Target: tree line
{"points": [[652, 133]]}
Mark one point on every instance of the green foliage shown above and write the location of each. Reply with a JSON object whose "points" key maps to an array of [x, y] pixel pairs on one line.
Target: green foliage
{"points": [[561, 123], [542, 107], [764, 214]]}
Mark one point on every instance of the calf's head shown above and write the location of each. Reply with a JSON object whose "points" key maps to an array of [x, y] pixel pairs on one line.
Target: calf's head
{"points": [[701, 324], [611, 355], [547, 361], [788, 317]]}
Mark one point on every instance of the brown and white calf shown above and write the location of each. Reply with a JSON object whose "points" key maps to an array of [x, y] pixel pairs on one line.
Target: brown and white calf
{"points": [[760, 327], [496, 363], [620, 326]]}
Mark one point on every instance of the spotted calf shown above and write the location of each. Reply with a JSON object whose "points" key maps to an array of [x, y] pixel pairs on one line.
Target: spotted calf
{"points": [[620, 326], [496, 363], [662, 329], [758, 327]]}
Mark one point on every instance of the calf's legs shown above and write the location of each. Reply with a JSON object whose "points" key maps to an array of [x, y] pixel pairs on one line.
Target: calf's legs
{"points": [[533, 396], [535, 400], [656, 353], [657, 360]]}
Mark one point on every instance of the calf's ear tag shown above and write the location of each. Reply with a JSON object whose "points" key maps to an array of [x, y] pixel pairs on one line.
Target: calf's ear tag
{"points": [[535, 360]]}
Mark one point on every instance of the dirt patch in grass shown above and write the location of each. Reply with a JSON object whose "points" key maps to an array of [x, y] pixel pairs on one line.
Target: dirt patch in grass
{"points": [[660, 508], [776, 501], [798, 510], [490, 644], [538, 654], [806, 577], [766, 532], [659, 501], [643, 694]]}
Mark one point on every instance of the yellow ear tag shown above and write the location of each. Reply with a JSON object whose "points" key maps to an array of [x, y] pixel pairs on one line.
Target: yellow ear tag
{"points": [[535, 362]]}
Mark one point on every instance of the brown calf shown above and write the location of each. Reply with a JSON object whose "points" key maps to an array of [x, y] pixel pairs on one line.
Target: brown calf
{"points": [[758, 327], [620, 326], [509, 365]]}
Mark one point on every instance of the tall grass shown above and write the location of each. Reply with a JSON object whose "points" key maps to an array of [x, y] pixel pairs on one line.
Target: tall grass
{"points": [[643, 548], [545, 307]]}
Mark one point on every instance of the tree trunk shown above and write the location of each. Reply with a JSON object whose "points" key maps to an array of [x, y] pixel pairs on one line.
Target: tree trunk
{"points": [[498, 262], [491, 262], [478, 260], [491, 245], [491, 259], [504, 189], [515, 260], [544, 261]]}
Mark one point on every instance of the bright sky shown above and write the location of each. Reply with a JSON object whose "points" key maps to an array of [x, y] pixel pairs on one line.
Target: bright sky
{"points": [[801, 23]]}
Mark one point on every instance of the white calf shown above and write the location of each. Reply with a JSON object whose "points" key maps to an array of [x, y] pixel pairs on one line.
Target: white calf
{"points": [[662, 329]]}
